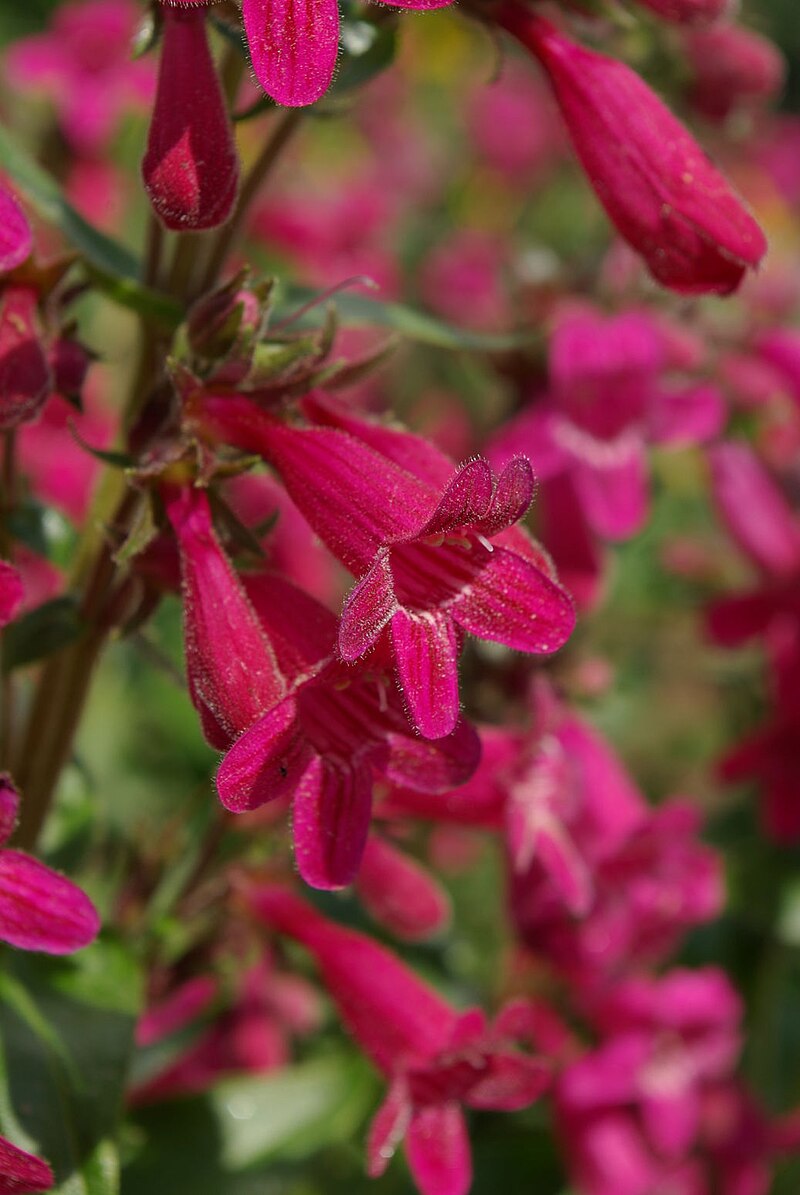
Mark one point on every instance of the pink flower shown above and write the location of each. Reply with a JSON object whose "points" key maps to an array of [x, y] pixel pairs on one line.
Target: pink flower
{"points": [[84, 64], [656, 184], [607, 401], [16, 239], [39, 909], [400, 893], [631, 1110], [433, 560], [21, 1172], [434, 1057], [766, 529], [190, 167], [294, 43], [732, 67]]}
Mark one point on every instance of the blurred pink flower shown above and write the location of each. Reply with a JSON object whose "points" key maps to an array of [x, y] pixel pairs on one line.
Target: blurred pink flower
{"points": [[83, 63], [22, 1172]]}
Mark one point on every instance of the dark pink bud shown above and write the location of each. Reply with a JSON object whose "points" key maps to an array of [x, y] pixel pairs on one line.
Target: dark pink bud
{"points": [[21, 1172], [400, 893], [15, 232], [24, 373], [732, 67], [233, 674], [69, 361], [655, 182], [190, 168]]}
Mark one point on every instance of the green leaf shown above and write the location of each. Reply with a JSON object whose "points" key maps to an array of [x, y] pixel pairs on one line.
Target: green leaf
{"points": [[111, 265], [369, 50], [407, 322], [66, 1034], [195, 1146], [45, 630]]}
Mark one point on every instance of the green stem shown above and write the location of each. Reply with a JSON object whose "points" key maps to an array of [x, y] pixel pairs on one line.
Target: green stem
{"points": [[229, 235]]}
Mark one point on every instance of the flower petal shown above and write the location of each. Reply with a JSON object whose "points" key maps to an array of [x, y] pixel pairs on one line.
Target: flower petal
{"points": [[438, 1150], [16, 240], [433, 765], [614, 493], [512, 602], [400, 893], [264, 763], [293, 47], [11, 593], [465, 500], [513, 1081], [9, 806], [426, 652], [388, 1128], [368, 608], [513, 494], [330, 821], [21, 1172], [42, 910]]}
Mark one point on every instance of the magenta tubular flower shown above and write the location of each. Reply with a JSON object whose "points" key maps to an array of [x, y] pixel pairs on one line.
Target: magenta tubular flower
{"points": [[732, 67], [294, 43], [431, 564], [434, 1057], [608, 401], [631, 1110], [658, 187], [190, 167], [25, 378], [21, 1172], [16, 239], [39, 909], [400, 893], [761, 522], [233, 674], [323, 746]]}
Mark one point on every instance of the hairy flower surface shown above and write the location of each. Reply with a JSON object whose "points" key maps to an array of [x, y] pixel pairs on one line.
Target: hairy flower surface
{"points": [[655, 182], [434, 1057], [190, 168], [21, 1172]]}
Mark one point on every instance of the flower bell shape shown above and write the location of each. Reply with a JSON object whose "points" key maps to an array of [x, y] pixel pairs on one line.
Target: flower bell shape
{"points": [[658, 187], [432, 561], [39, 909], [190, 167], [294, 43], [22, 1172], [233, 674], [435, 1058], [16, 239], [338, 730]]}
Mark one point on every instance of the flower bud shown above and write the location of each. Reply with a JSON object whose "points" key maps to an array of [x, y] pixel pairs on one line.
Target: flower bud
{"points": [[656, 184], [24, 374], [732, 67], [190, 168]]}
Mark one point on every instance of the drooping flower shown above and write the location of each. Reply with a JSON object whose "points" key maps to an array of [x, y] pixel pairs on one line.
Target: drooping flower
{"points": [[21, 1172], [434, 1057], [190, 167], [432, 560], [39, 909], [658, 187], [294, 43]]}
